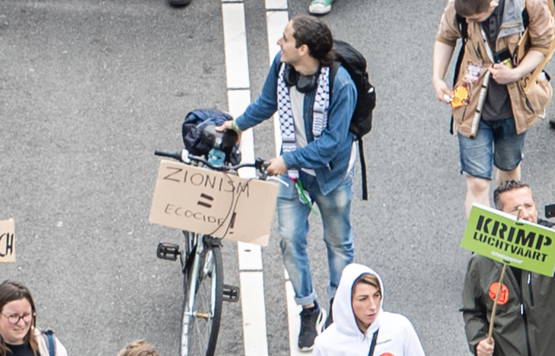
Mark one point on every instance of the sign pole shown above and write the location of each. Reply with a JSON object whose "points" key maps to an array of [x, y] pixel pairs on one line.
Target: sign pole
{"points": [[494, 309], [499, 286]]}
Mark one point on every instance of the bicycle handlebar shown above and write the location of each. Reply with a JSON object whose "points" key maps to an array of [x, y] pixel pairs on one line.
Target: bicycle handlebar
{"points": [[174, 155], [259, 164]]}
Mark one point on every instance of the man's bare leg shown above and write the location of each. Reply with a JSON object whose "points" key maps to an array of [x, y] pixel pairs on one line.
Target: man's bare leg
{"points": [[477, 191], [503, 176]]}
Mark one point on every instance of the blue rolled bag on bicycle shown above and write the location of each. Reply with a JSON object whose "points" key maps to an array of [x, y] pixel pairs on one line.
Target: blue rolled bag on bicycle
{"points": [[194, 136]]}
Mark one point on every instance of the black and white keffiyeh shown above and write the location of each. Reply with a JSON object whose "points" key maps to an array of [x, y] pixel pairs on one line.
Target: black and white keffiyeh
{"points": [[285, 113]]}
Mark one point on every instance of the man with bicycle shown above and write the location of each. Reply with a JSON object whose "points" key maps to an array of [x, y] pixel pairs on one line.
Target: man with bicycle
{"points": [[316, 157]]}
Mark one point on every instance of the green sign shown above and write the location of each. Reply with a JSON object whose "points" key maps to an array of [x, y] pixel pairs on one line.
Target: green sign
{"points": [[499, 236]]}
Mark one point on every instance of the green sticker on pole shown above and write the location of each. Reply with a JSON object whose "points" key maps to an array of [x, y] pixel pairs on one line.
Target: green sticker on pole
{"points": [[499, 236]]}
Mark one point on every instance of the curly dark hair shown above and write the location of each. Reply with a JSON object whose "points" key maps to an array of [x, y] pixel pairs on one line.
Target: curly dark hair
{"points": [[316, 35]]}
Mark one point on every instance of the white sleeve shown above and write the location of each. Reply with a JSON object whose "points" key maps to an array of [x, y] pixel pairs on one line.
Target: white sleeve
{"points": [[60, 349], [412, 345], [317, 351]]}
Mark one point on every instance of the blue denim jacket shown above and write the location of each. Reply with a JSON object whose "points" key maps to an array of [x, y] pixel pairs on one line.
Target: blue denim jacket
{"points": [[329, 155]]}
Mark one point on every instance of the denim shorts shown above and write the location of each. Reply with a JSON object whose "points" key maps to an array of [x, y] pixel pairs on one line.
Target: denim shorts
{"points": [[496, 143]]}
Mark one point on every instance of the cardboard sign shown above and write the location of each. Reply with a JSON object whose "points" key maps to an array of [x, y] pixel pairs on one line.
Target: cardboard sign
{"points": [[7, 241], [521, 244], [213, 203]]}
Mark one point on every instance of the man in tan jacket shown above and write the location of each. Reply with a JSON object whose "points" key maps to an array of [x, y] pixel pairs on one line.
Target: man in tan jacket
{"points": [[491, 108]]}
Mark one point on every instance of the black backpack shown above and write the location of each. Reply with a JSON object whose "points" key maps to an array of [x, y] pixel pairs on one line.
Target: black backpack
{"points": [[361, 121]]}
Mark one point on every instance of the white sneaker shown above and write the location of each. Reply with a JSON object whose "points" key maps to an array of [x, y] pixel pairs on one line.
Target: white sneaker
{"points": [[320, 7]]}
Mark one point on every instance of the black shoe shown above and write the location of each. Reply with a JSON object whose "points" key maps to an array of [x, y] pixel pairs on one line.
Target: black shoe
{"points": [[552, 123], [329, 319], [179, 3], [311, 326]]}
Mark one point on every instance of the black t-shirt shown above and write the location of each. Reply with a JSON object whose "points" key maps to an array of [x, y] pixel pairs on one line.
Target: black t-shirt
{"points": [[498, 104], [20, 350]]}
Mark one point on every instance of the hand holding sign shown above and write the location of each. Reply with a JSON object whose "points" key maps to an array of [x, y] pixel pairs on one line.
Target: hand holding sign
{"points": [[485, 347], [513, 241]]}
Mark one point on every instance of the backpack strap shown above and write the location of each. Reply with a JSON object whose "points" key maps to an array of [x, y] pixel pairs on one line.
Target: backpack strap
{"points": [[48, 335], [362, 169], [373, 344], [463, 26], [334, 68], [463, 29], [525, 17]]}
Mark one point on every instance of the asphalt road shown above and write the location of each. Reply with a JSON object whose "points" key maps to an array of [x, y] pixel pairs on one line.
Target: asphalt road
{"points": [[88, 90]]}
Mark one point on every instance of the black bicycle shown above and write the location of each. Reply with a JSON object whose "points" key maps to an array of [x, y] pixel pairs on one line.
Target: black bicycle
{"points": [[202, 268]]}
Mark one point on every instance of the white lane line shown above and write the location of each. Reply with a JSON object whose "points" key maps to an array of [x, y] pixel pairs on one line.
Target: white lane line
{"points": [[276, 4], [235, 43], [277, 16], [249, 256], [257, 344], [293, 311]]}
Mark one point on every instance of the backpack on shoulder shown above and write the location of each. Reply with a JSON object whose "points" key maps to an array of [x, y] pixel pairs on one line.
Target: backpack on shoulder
{"points": [[361, 121]]}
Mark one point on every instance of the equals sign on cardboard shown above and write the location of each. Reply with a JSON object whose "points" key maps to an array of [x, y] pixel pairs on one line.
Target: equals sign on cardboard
{"points": [[208, 199]]}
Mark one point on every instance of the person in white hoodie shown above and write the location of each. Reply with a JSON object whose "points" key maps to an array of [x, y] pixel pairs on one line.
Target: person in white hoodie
{"points": [[360, 326]]}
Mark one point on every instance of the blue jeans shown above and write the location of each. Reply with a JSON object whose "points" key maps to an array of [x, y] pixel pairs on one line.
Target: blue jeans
{"points": [[335, 209], [496, 143]]}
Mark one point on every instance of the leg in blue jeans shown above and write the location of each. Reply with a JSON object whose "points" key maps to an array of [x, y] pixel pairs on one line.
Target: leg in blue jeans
{"points": [[335, 209], [293, 228]]}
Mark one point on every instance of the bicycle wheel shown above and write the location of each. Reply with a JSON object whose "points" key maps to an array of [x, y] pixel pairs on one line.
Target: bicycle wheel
{"points": [[201, 319], [187, 257]]}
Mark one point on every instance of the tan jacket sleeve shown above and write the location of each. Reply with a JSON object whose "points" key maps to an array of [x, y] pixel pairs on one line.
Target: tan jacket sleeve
{"points": [[448, 31], [541, 25]]}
